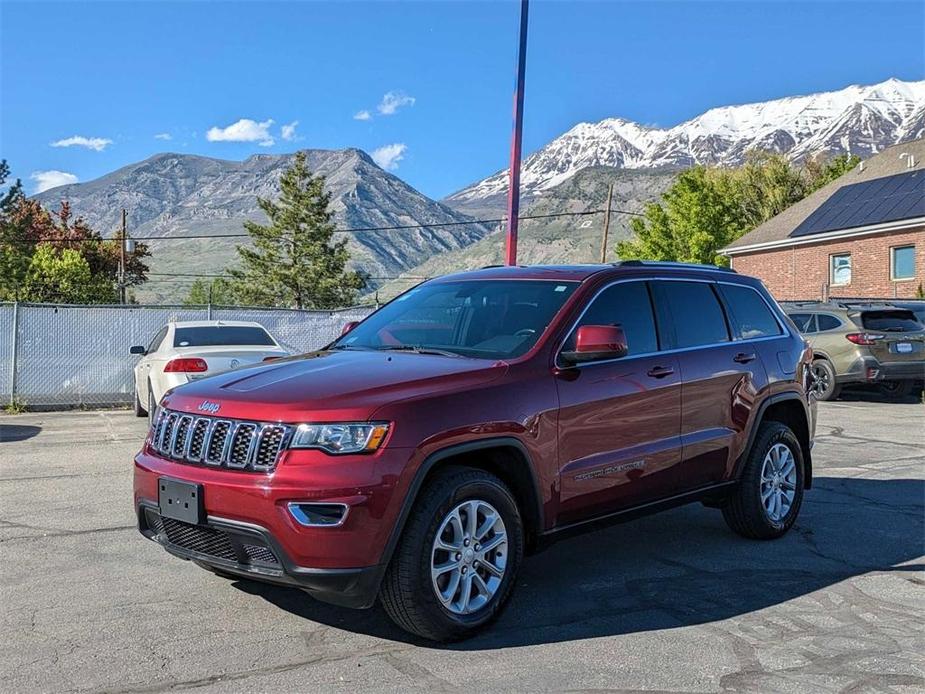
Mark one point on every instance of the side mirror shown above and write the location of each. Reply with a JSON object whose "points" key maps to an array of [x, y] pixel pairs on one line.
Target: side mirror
{"points": [[137, 349], [348, 326], [597, 342]]}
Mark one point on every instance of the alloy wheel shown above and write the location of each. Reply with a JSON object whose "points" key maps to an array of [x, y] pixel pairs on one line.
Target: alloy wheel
{"points": [[820, 380], [778, 482], [469, 557]]}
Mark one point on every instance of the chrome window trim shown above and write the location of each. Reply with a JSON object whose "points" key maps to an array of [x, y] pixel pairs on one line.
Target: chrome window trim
{"points": [[658, 278]]}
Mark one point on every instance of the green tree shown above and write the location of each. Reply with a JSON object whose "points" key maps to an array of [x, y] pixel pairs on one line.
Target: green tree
{"points": [[706, 209], [295, 260], [63, 275], [222, 293]]}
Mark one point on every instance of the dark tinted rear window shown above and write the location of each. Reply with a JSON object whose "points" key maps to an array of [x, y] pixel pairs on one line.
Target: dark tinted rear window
{"points": [[627, 305], [827, 322], [894, 320], [217, 335], [694, 312], [752, 316]]}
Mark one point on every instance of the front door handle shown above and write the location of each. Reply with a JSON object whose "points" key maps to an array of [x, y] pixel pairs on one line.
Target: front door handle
{"points": [[660, 371], [744, 358]]}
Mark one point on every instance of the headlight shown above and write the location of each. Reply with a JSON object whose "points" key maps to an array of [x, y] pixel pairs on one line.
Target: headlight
{"points": [[360, 437]]}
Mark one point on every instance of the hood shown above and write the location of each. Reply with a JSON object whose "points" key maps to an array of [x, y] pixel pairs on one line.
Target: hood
{"points": [[331, 386]]}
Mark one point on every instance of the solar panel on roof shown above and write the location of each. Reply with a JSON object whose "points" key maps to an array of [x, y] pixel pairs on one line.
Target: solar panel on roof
{"points": [[888, 199]]}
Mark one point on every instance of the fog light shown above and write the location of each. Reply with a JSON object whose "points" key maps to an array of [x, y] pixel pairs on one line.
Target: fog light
{"points": [[315, 515]]}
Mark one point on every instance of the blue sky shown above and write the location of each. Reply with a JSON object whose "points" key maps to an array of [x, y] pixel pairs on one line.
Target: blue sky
{"points": [[435, 78]]}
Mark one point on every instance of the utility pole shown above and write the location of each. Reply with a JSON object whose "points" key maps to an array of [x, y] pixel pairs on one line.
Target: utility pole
{"points": [[606, 224], [122, 261], [513, 197]]}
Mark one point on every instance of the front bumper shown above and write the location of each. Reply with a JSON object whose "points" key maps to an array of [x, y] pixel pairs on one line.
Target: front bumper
{"points": [[249, 530], [250, 551]]}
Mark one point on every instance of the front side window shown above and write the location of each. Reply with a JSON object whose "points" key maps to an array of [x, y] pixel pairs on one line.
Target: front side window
{"points": [[693, 309], [156, 340], [902, 263], [840, 268], [752, 316], [490, 319], [626, 305], [217, 335]]}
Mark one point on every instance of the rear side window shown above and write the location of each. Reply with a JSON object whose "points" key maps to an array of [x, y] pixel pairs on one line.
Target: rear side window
{"points": [[894, 320], [217, 335], [750, 312], [827, 322], [804, 321], [693, 313], [626, 304]]}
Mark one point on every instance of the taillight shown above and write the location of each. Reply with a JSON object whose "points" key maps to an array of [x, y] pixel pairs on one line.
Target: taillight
{"points": [[186, 365], [863, 338]]}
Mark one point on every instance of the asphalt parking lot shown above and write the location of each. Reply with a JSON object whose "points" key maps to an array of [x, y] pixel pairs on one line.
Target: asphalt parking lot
{"points": [[673, 602]]}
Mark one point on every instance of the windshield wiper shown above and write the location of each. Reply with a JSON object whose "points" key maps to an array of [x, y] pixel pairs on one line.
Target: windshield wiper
{"points": [[418, 349]]}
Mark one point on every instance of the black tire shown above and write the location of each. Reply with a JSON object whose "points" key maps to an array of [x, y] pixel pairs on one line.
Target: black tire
{"points": [[824, 385], [744, 511], [407, 593], [897, 389], [139, 410]]}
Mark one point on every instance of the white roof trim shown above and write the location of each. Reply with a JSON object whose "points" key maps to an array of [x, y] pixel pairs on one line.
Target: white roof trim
{"points": [[897, 225]]}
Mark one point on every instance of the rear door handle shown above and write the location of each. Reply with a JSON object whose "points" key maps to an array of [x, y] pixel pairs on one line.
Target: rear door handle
{"points": [[743, 358], [660, 371]]}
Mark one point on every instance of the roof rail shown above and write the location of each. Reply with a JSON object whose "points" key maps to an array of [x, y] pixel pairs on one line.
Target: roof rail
{"points": [[670, 263]]}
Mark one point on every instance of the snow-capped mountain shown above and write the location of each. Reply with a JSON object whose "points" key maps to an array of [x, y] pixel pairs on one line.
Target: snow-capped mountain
{"points": [[858, 119]]}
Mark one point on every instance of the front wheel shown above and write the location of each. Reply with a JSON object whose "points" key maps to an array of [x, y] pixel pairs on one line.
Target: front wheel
{"points": [[455, 565], [897, 389], [770, 491]]}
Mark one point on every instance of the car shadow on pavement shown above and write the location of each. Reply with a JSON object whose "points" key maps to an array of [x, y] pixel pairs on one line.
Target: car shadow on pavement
{"points": [[679, 568], [17, 432]]}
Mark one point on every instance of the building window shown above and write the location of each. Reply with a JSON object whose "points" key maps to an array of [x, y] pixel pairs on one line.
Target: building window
{"points": [[902, 263], [840, 269]]}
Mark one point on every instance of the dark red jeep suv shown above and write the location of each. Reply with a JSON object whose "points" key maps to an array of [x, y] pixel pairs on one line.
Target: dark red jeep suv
{"points": [[475, 418]]}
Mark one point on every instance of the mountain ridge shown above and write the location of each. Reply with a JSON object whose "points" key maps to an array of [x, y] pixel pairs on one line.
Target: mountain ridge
{"points": [[857, 120]]}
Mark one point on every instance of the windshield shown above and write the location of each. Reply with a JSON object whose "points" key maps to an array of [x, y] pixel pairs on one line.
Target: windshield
{"points": [[894, 321], [493, 319], [216, 335]]}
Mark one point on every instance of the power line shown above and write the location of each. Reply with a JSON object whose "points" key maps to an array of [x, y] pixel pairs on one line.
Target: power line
{"points": [[352, 230]]}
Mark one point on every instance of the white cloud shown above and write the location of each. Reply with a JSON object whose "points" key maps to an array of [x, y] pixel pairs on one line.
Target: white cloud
{"points": [[244, 130], [392, 101], [163, 136], [95, 143], [51, 179], [388, 156], [288, 131], [362, 115]]}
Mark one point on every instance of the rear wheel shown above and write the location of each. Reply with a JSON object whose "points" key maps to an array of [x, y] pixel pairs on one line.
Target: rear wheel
{"points": [[824, 386], [455, 565], [897, 389], [769, 494]]}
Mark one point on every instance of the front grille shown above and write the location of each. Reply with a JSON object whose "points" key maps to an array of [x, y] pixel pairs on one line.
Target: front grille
{"points": [[239, 445], [209, 541]]}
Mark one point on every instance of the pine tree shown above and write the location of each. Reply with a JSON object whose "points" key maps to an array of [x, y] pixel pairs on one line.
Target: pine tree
{"points": [[295, 261]]}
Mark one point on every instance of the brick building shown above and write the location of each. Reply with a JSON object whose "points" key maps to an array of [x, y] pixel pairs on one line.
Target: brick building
{"points": [[862, 235]]}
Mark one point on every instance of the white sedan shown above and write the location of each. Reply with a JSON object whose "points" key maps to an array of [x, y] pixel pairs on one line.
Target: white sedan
{"points": [[184, 351]]}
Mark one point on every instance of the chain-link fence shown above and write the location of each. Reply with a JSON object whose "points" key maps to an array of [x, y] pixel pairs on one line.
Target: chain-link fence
{"points": [[70, 355]]}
